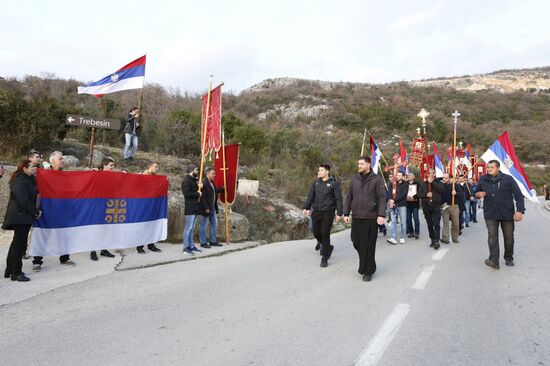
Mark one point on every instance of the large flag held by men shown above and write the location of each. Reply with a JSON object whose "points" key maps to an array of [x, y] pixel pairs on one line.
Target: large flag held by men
{"points": [[131, 76], [213, 139], [503, 151], [95, 210]]}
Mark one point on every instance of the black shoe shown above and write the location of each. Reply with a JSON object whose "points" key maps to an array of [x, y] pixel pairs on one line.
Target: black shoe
{"points": [[445, 241], [467, 225], [7, 274], [130, 158], [510, 262], [93, 255], [20, 278], [416, 236], [460, 232], [385, 232], [436, 246], [410, 236], [492, 264], [153, 248], [106, 253], [216, 244], [455, 241], [324, 262], [330, 251], [140, 250], [367, 277], [432, 244], [317, 246], [205, 245], [475, 221]]}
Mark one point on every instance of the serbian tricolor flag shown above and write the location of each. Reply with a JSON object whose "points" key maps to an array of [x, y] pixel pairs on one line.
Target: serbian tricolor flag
{"points": [[439, 168], [469, 151], [93, 210], [403, 158], [131, 76], [213, 138], [231, 154], [376, 155], [503, 152]]}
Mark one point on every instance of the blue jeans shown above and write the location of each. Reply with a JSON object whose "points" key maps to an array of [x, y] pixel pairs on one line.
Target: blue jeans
{"points": [[412, 214], [398, 212], [213, 218], [467, 212], [188, 231], [131, 138]]}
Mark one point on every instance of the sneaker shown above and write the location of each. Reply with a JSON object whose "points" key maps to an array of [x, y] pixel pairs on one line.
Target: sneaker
{"points": [[37, 267], [69, 263], [492, 264], [392, 241], [188, 252], [93, 255], [401, 241], [205, 245], [106, 253], [216, 244], [324, 262], [195, 249]]}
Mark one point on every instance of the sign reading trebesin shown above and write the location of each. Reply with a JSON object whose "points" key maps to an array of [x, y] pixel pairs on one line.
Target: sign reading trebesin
{"points": [[87, 121]]}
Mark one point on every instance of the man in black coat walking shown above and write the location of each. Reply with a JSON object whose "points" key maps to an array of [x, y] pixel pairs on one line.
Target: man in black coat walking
{"points": [[366, 202], [190, 188], [324, 197], [499, 191]]}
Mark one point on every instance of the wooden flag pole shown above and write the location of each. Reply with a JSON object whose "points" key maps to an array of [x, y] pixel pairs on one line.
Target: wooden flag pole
{"points": [[225, 190], [204, 132], [363, 144], [455, 115], [91, 148]]}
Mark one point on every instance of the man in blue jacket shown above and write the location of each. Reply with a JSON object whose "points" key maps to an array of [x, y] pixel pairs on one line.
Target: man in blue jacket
{"points": [[499, 191]]}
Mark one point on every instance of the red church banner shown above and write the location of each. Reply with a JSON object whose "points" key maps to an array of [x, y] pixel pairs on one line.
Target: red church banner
{"points": [[232, 169]]}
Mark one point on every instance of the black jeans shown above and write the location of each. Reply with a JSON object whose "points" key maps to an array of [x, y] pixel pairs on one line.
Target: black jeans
{"points": [[62, 259], [364, 233], [473, 211], [14, 260], [508, 233], [322, 225], [432, 213]]}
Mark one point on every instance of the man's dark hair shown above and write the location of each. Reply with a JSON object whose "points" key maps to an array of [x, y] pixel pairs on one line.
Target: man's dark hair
{"points": [[106, 161], [208, 170], [32, 153], [134, 108], [366, 158], [496, 162], [325, 165]]}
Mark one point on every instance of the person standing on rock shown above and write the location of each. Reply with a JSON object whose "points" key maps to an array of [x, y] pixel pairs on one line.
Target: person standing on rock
{"points": [[324, 197], [20, 215], [366, 203], [107, 165], [208, 209], [57, 162], [499, 191], [130, 134], [152, 169], [190, 188], [430, 194]]}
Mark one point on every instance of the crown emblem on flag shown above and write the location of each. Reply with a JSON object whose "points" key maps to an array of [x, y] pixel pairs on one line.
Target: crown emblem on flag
{"points": [[115, 211], [114, 77], [508, 162]]}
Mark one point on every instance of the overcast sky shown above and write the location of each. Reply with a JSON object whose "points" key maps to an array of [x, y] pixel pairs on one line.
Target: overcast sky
{"points": [[243, 42]]}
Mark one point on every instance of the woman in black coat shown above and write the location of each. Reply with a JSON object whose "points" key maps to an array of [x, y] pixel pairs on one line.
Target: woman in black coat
{"points": [[20, 216]]}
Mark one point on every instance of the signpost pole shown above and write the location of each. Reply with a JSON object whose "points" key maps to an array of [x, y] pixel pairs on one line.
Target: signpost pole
{"points": [[91, 148]]}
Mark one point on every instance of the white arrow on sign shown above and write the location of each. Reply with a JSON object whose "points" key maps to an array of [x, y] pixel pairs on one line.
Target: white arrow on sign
{"points": [[70, 119]]}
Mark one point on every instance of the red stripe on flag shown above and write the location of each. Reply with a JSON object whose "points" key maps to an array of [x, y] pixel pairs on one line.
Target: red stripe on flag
{"points": [[137, 62], [99, 184], [506, 143]]}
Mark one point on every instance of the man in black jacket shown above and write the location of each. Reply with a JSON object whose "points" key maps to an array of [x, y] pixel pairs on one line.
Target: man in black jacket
{"points": [[499, 191], [190, 188], [324, 197], [430, 194], [413, 206], [398, 208], [130, 133], [366, 202], [208, 209]]}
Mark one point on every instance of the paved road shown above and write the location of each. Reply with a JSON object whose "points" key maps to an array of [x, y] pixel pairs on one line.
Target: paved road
{"points": [[273, 305]]}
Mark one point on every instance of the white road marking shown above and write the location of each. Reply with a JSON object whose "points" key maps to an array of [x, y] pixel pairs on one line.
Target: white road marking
{"points": [[439, 254], [423, 277], [378, 345]]}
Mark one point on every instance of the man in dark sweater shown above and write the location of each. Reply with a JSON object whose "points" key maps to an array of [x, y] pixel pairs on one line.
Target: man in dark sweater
{"points": [[430, 194], [499, 191], [324, 197], [366, 202]]}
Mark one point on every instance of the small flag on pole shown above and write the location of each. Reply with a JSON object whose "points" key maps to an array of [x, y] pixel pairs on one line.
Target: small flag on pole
{"points": [[376, 154]]}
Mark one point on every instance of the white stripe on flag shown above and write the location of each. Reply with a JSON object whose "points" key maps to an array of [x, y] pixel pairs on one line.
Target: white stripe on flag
{"points": [[125, 84], [54, 242]]}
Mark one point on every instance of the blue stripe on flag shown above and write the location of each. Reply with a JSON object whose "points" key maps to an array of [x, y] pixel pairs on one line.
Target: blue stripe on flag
{"points": [[123, 74], [62, 213], [501, 153]]}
